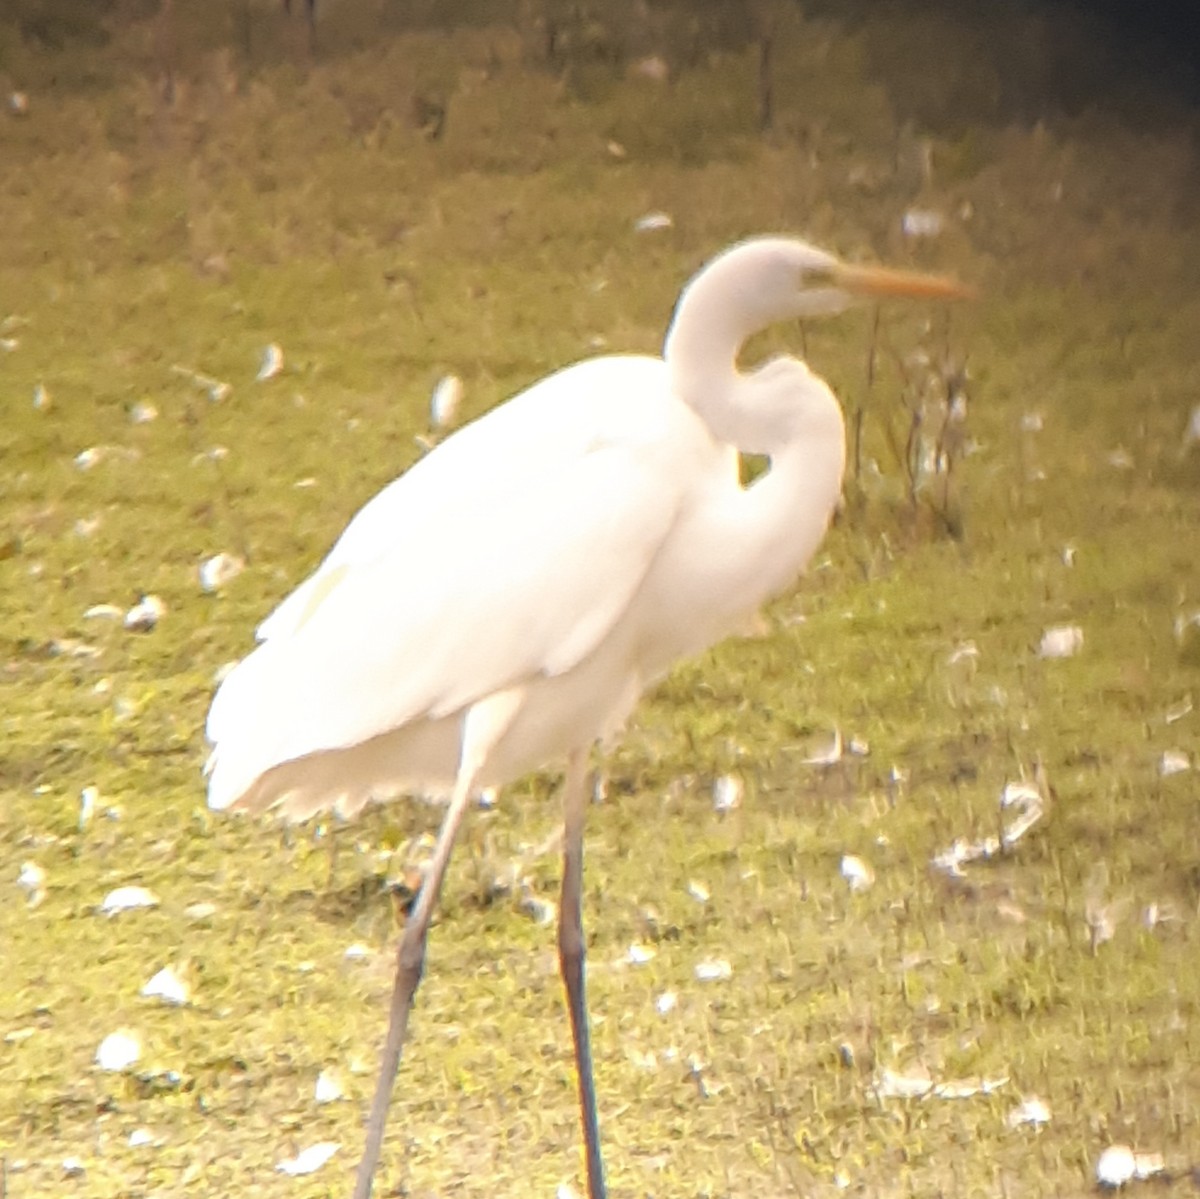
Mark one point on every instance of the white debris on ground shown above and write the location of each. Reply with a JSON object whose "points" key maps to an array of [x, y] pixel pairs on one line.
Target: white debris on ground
{"points": [[652, 221], [918, 1083], [127, 899], [445, 401], [1032, 1110], [831, 755], [1154, 915], [1115, 1167], [329, 1088], [308, 1161], [964, 652], [93, 455], [119, 1050], [220, 569], [1061, 641], [214, 453], [215, 388], [727, 792], [88, 798], [891, 1084], [145, 614], [32, 880], [1174, 761], [104, 612], [922, 222], [1119, 1164], [272, 363], [170, 985], [712, 970], [70, 647], [858, 874], [1029, 806]]}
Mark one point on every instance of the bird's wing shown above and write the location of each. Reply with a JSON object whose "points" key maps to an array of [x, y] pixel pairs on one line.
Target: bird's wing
{"points": [[484, 463], [479, 602]]}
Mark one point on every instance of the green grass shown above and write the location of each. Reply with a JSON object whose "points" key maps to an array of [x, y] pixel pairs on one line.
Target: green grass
{"points": [[282, 200]]}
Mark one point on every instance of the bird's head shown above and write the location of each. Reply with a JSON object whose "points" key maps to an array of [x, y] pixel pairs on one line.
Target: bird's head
{"points": [[769, 279], [754, 284]]}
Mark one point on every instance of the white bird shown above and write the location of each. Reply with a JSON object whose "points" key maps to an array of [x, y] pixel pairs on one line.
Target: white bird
{"points": [[507, 600]]}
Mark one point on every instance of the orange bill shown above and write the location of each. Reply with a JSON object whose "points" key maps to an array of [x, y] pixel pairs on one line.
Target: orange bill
{"points": [[882, 282]]}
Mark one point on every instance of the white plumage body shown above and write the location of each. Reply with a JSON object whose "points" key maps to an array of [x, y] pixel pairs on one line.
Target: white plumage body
{"points": [[569, 545]]}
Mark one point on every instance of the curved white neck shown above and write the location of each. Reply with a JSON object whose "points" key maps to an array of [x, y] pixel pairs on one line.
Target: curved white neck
{"points": [[701, 352], [766, 532]]}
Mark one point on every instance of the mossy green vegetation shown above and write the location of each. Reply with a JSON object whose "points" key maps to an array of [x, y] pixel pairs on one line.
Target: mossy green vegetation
{"points": [[293, 199]]}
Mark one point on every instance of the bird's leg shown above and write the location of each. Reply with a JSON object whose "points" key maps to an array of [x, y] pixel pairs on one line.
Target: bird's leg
{"points": [[410, 964], [570, 961], [484, 725]]}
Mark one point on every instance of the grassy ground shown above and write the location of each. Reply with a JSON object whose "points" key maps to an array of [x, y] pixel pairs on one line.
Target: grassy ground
{"points": [[278, 199]]}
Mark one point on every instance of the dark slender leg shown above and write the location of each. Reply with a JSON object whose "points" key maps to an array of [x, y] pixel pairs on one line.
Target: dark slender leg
{"points": [[410, 964], [483, 726], [570, 961]]}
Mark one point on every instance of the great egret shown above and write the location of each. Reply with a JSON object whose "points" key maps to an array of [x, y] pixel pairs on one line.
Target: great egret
{"points": [[508, 599]]}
